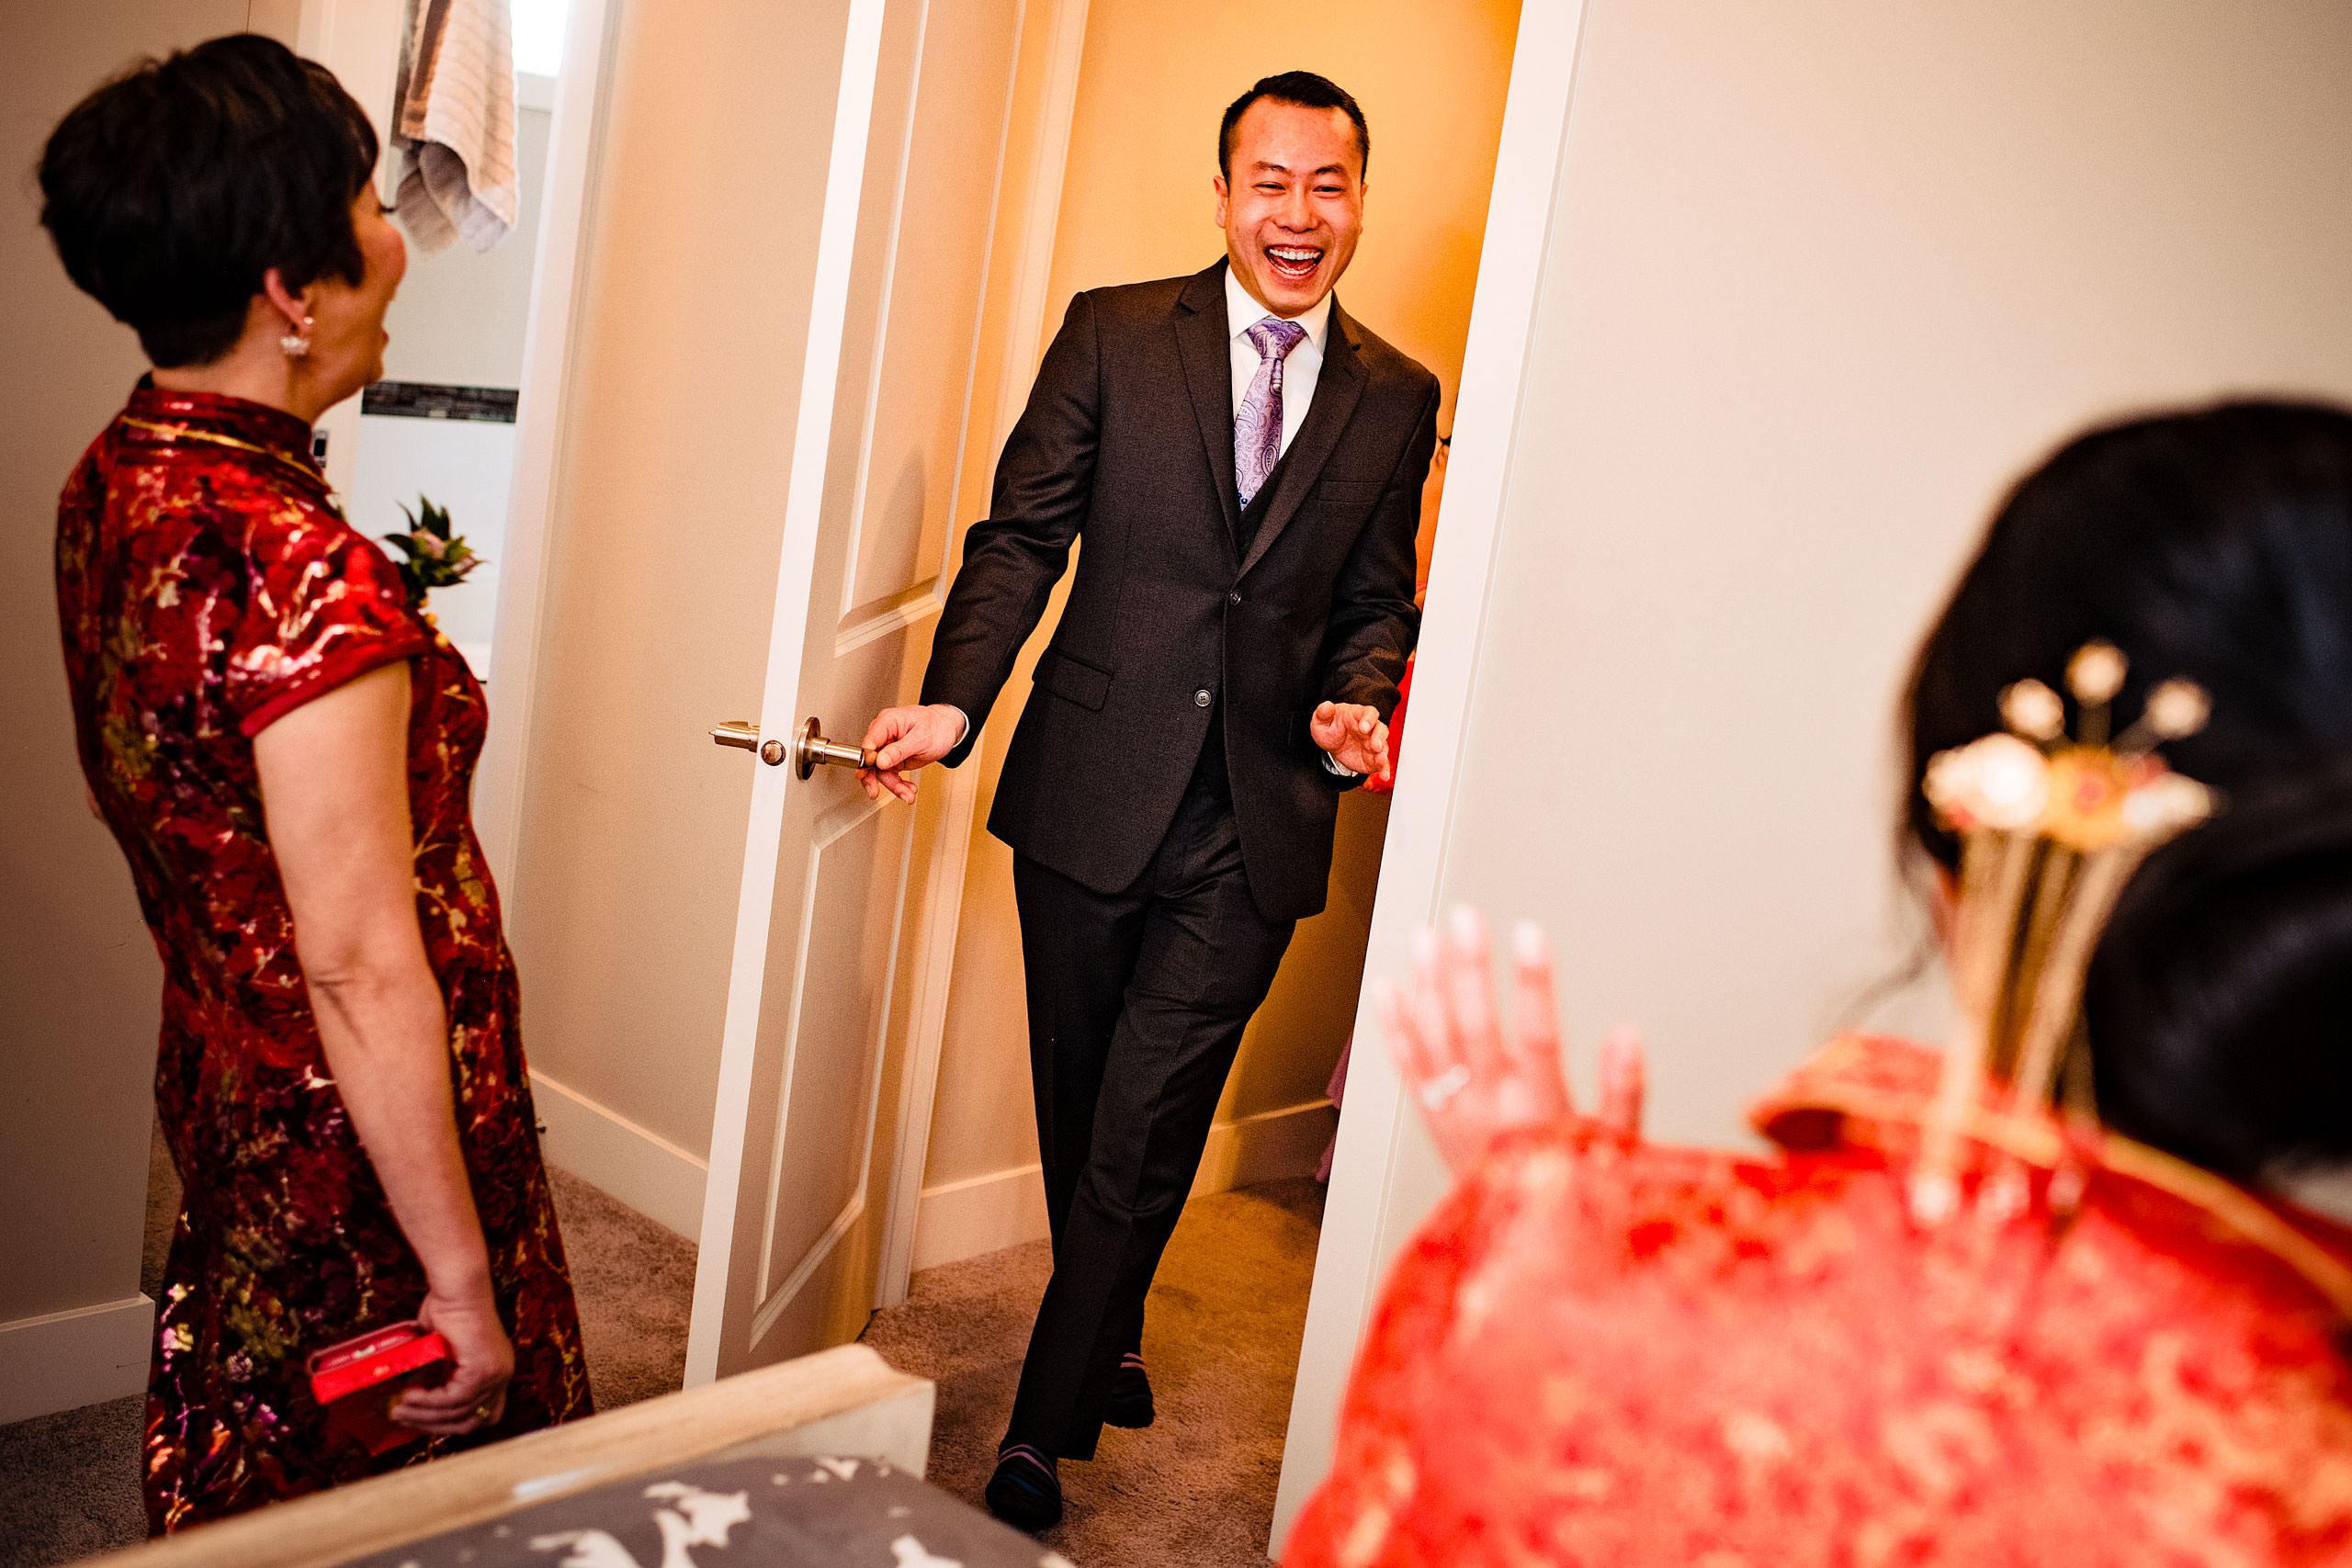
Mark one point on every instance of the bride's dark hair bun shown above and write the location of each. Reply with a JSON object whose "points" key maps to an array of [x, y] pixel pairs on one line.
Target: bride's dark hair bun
{"points": [[2213, 544], [2220, 1003]]}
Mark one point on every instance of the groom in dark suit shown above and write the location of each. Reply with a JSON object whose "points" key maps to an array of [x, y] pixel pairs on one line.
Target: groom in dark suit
{"points": [[1244, 462]]}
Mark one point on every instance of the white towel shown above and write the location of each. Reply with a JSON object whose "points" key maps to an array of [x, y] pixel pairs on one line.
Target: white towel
{"points": [[453, 119]]}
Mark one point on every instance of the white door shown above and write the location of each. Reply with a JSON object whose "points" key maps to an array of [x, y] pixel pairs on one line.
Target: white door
{"points": [[804, 1142]]}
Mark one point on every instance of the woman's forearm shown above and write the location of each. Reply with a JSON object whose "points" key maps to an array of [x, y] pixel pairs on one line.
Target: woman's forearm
{"points": [[386, 1037]]}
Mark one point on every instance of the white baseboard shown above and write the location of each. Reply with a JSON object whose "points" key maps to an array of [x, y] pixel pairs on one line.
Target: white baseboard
{"points": [[980, 1213], [64, 1361], [607, 1150], [1005, 1208]]}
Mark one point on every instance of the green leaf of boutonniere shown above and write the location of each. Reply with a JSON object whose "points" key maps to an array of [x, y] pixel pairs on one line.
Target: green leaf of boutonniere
{"points": [[432, 557]]}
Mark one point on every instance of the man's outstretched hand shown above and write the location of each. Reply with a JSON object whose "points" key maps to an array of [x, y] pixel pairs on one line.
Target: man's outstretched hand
{"points": [[904, 739], [1354, 735]]}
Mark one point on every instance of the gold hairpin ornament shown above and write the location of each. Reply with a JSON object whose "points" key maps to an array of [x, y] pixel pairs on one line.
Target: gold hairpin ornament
{"points": [[2050, 830]]}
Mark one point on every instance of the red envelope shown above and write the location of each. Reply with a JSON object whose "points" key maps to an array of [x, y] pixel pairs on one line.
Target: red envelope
{"points": [[358, 1380]]}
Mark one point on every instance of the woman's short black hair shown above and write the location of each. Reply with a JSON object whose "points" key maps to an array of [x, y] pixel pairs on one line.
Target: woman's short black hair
{"points": [[2214, 544], [170, 191], [1308, 90]]}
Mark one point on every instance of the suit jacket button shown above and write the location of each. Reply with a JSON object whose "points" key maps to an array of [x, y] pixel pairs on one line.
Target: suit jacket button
{"points": [[1201, 699], [1235, 596]]}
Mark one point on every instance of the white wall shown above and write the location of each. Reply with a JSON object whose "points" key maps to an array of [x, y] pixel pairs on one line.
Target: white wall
{"points": [[1824, 276]]}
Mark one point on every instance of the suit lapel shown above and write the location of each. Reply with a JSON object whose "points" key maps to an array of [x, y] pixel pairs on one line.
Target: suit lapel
{"points": [[1337, 389], [1202, 344]]}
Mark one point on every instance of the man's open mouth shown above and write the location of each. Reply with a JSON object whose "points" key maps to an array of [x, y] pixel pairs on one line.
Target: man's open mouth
{"points": [[1295, 263]]}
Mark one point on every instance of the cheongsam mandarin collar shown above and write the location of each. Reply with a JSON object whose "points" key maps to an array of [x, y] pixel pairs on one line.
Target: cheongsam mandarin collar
{"points": [[198, 420]]}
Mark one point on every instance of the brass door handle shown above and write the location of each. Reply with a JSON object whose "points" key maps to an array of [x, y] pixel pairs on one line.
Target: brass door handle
{"points": [[811, 749]]}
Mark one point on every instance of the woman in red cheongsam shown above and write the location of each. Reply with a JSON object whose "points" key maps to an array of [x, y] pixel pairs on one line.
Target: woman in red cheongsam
{"points": [[283, 746], [2087, 1308]]}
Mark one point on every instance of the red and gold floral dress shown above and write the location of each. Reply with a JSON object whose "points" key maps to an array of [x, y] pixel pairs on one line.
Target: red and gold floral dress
{"points": [[1605, 1353], [207, 585]]}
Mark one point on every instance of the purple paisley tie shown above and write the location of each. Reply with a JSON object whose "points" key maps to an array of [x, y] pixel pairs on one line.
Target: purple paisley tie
{"points": [[1258, 428]]}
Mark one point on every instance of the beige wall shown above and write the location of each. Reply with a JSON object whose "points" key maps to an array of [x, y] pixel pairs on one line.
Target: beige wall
{"points": [[78, 977], [660, 583], [1137, 204]]}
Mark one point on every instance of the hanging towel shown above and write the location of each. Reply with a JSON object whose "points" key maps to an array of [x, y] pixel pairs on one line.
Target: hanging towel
{"points": [[453, 119]]}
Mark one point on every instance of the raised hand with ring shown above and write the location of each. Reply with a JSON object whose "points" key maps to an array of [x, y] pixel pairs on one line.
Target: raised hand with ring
{"points": [[1474, 1080]]}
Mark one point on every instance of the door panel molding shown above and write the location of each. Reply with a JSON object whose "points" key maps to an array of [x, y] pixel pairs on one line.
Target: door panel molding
{"points": [[908, 607], [781, 1299], [969, 306], [877, 356], [763, 1320], [832, 829], [845, 823]]}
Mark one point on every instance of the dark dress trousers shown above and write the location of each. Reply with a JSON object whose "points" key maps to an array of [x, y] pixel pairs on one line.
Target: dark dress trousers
{"points": [[1171, 815]]}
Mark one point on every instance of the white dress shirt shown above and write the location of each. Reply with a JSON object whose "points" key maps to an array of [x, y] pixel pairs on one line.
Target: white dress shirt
{"points": [[1300, 371]]}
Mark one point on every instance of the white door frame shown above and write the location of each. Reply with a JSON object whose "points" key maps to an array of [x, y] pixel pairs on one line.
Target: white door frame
{"points": [[1360, 1225], [575, 137]]}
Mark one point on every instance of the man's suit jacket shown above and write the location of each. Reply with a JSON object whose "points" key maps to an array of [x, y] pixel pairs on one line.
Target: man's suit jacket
{"points": [[1127, 443]]}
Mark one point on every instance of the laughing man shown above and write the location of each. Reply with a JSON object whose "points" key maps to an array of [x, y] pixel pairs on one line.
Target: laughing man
{"points": [[1244, 461]]}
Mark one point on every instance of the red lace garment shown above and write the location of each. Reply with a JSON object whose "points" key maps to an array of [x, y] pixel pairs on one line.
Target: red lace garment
{"points": [[1601, 1354], [207, 586]]}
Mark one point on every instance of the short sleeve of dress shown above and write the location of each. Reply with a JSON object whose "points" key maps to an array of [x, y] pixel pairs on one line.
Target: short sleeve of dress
{"points": [[322, 605]]}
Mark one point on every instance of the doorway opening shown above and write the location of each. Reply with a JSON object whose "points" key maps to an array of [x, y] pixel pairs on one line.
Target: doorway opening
{"points": [[1133, 203], [440, 427]]}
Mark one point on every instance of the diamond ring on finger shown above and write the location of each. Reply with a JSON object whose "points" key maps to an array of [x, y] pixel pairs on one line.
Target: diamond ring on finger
{"points": [[1440, 1090]]}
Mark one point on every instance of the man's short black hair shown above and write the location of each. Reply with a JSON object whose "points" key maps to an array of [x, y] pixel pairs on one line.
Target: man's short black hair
{"points": [[170, 191], [1308, 90]]}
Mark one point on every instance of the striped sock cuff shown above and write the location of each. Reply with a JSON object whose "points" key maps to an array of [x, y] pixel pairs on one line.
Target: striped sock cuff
{"points": [[1035, 1456]]}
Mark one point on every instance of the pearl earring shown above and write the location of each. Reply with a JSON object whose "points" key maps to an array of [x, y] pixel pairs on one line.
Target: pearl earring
{"points": [[294, 346]]}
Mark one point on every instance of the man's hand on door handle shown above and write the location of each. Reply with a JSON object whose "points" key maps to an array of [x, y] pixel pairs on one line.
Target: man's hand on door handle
{"points": [[904, 739]]}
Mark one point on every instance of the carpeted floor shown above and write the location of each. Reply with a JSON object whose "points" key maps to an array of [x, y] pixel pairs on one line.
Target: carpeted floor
{"points": [[1196, 1488], [69, 1482], [1221, 1338]]}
